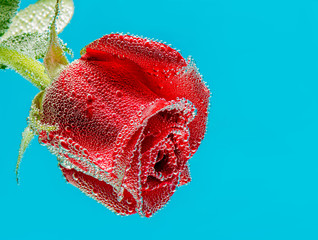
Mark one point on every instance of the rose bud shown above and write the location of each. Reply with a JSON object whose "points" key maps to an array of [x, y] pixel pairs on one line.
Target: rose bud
{"points": [[130, 114]]}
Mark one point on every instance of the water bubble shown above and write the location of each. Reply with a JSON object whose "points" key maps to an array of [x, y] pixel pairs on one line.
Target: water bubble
{"points": [[77, 146], [67, 129], [90, 98], [95, 192], [64, 144], [75, 176], [119, 93], [43, 142], [85, 152]]}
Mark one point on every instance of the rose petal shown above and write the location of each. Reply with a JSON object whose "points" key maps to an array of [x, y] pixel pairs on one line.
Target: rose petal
{"points": [[184, 177], [146, 53], [168, 120], [101, 192], [88, 103], [155, 199], [168, 75]]}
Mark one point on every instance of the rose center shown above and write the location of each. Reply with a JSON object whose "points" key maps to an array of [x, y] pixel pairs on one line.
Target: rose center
{"points": [[162, 162], [165, 164], [165, 159]]}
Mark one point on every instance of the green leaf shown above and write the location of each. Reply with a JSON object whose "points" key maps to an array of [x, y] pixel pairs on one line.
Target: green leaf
{"points": [[27, 67], [54, 61], [27, 137], [38, 17], [2, 66], [33, 45], [8, 9]]}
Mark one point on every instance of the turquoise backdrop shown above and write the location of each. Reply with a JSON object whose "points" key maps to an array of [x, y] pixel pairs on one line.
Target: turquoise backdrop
{"points": [[254, 177]]}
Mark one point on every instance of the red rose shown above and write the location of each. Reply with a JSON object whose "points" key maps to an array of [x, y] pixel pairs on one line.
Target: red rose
{"points": [[126, 121]]}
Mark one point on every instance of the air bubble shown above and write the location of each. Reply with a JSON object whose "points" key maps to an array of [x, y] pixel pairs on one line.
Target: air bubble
{"points": [[67, 129], [85, 152], [77, 146], [75, 177], [95, 192], [90, 98], [64, 145], [119, 93]]}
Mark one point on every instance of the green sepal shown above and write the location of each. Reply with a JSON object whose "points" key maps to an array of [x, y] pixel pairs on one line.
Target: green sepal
{"points": [[34, 127], [35, 115], [83, 51], [54, 61], [27, 137]]}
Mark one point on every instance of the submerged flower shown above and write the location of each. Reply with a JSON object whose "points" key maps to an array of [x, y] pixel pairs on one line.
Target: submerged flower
{"points": [[123, 120], [129, 115]]}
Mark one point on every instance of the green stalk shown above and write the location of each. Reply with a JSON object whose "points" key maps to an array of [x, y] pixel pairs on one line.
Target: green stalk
{"points": [[27, 67]]}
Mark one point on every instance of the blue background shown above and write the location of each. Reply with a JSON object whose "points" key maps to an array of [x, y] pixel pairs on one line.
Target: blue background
{"points": [[255, 175]]}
